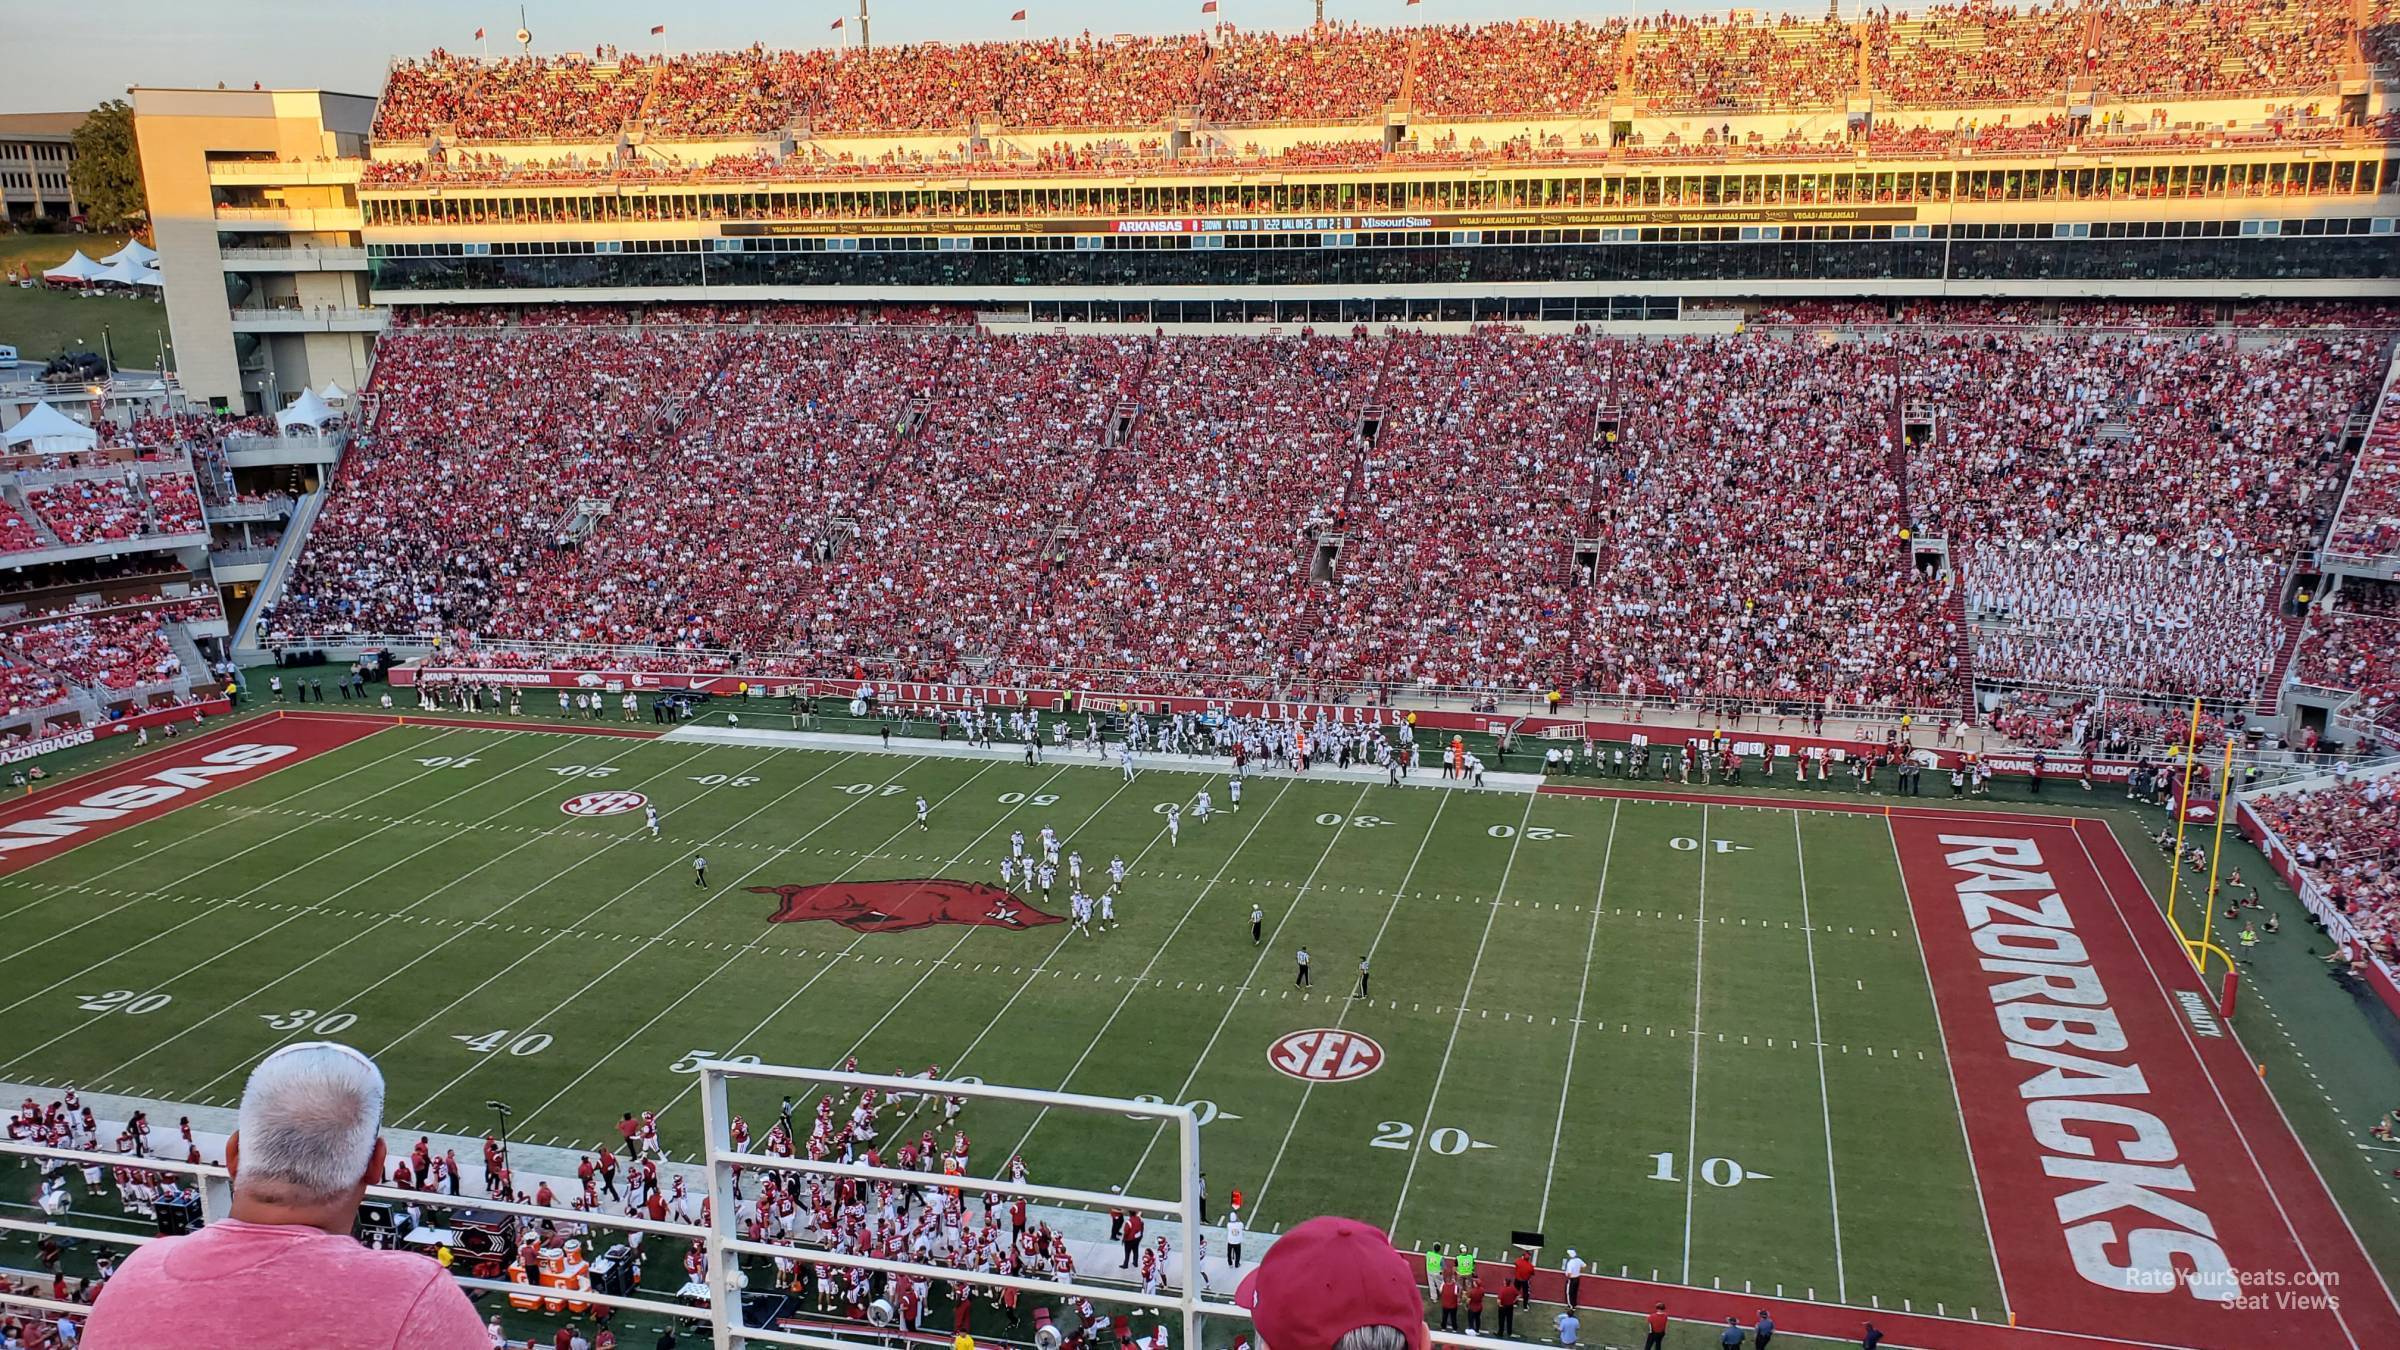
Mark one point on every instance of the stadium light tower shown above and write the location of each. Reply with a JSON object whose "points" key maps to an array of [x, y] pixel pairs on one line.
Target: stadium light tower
{"points": [[863, 43]]}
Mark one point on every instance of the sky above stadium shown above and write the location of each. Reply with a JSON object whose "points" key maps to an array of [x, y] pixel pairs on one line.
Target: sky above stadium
{"points": [[61, 63]]}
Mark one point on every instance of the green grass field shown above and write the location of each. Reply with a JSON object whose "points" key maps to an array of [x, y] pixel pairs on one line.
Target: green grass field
{"points": [[426, 883], [1758, 1099], [42, 323]]}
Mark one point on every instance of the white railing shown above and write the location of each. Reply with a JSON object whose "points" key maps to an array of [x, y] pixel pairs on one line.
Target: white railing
{"points": [[212, 1187], [722, 1317], [720, 1157]]}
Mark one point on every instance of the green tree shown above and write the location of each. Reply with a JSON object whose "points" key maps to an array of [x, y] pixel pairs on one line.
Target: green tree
{"points": [[107, 172]]}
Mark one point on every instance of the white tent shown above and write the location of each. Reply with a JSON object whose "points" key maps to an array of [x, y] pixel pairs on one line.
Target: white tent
{"points": [[135, 252], [120, 273], [77, 268], [334, 393], [308, 410], [148, 276], [47, 431]]}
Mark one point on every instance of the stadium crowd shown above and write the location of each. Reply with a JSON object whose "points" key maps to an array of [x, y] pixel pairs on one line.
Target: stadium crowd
{"points": [[2370, 519], [1459, 566], [2087, 614], [114, 649], [2352, 643], [128, 506], [1974, 52], [2347, 838], [1189, 557], [1752, 531], [2083, 480], [1393, 509]]}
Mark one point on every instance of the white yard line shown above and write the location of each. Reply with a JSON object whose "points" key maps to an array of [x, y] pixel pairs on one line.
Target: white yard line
{"points": [[221, 904], [1691, 1147], [1833, 1190], [1965, 1144], [1466, 996], [1265, 950], [647, 943], [1031, 976], [2208, 1075], [1143, 979], [110, 777], [298, 914], [1309, 1088], [486, 920], [377, 926], [835, 961], [140, 897], [1066, 844], [745, 950], [1590, 945]]}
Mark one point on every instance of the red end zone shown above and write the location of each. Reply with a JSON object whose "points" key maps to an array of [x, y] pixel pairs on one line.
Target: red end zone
{"points": [[2138, 1179], [46, 823]]}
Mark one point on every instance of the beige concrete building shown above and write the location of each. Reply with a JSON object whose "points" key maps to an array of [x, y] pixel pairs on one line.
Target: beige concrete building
{"points": [[254, 199], [35, 150]]}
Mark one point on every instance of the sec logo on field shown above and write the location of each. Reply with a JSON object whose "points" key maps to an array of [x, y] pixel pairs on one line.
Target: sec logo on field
{"points": [[604, 803], [1325, 1055]]}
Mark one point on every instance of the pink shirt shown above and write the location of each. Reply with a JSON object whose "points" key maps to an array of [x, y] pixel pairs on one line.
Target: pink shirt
{"points": [[248, 1286]]}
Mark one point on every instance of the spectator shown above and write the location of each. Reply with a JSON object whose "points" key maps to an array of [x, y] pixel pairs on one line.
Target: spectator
{"points": [[284, 1271], [1334, 1284]]}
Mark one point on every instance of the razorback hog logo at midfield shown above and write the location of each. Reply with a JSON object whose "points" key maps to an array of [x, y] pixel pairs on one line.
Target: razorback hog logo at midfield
{"points": [[904, 906]]}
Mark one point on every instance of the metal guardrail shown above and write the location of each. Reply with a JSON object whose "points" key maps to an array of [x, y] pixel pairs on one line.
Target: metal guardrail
{"points": [[721, 1158], [214, 1190], [723, 1316]]}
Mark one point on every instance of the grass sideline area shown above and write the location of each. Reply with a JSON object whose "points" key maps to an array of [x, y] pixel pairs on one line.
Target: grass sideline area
{"points": [[585, 957], [41, 323]]}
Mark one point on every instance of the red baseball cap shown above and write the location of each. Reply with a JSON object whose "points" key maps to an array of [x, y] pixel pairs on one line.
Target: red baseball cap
{"points": [[1327, 1278]]}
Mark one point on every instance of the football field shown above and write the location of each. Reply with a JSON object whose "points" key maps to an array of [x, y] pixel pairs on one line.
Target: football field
{"points": [[1698, 1040]]}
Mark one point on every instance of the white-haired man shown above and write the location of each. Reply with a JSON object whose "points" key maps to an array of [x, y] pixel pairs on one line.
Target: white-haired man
{"points": [[284, 1270]]}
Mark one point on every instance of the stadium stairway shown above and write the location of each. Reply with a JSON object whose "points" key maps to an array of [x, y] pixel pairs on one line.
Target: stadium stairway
{"points": [[279, 569], [195, 663], [16, 498], [2270, 695], [1962, 641]]}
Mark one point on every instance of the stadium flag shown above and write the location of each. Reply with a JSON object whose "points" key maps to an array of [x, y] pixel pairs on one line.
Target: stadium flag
{"points": [[1018, 17], [837, 25], [658, 30], [479, 35], [1208, 6]]}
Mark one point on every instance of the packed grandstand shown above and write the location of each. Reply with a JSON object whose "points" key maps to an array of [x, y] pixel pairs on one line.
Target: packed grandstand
{"points": [[2051, 518]]}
